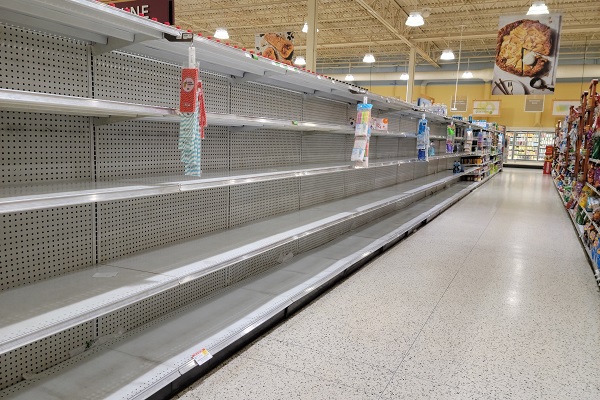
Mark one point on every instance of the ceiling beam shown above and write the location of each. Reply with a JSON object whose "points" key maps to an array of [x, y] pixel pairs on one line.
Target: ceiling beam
{"points": [[390, 26], [564, 31]]}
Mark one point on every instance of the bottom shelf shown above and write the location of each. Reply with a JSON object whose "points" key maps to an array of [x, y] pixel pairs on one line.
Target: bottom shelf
{"points": [[147, 361], [580, 234]]}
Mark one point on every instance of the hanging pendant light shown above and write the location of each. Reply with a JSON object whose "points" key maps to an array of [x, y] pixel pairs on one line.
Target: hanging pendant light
{"points": [[300, 61], [404, 76], [305, 28], [369, 58], [467, 74], [349, 77], [221, 33], [447, 55], [453, 107], [538, 8], [415, 19]]}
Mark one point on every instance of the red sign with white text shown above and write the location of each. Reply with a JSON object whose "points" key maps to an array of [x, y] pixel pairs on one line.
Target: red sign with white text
{"points": [[162, 10]]}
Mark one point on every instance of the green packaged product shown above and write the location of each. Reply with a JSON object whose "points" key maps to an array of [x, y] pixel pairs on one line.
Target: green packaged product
{"points": [[595, 147]]}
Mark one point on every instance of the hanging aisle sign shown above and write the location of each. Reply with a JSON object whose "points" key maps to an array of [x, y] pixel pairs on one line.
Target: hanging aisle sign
{"points": [[162, 10], [534, 104], [526, 55]]}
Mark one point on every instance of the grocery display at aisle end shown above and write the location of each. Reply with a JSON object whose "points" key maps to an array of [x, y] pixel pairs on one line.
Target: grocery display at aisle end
{"points": [[576, 170], [136, 254], [528, 145]]}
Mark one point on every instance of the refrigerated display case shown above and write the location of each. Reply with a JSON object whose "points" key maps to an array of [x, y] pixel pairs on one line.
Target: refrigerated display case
{"points": [[528, 145], [511, 142], [546, 139]]}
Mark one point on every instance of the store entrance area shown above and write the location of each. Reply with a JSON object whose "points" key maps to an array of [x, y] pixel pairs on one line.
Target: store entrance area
{"points": [[494, 299]]}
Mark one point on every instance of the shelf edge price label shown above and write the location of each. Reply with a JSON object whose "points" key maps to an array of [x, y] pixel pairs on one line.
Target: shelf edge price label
{"points": [[201, 356]]}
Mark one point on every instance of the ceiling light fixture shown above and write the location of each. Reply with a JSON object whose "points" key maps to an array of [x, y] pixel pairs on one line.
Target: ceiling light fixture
{"points": [[349, 77], [369, 58], [453, 108], [300, 61], [538, 8], [415, 19], [467, 74], [404, 76], [447, 55], [221, 33], [305, 28]]}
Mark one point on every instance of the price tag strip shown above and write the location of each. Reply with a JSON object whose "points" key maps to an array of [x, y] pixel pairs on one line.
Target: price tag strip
{"points": [[201, 356]]}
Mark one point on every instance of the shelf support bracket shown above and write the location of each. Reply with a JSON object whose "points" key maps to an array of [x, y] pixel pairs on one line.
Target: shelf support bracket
{"points": [[110, 120], [244, 128], [115, 44], [245, 78]]}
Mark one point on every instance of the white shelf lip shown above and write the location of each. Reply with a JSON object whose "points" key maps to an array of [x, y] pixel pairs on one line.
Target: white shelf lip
{"points": [[45, 197], [221, 58], [19, 333], [17, 100]]}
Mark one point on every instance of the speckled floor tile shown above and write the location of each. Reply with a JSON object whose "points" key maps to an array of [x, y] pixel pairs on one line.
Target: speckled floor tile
{"points": [[248, 379], [351, 371], [409, 387]]}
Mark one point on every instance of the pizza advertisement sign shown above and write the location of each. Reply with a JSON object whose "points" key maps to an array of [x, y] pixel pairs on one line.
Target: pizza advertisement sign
{"points": [[526, 55], [276, 46]]}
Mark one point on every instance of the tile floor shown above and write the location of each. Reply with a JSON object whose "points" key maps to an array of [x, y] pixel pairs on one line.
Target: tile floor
{"points": [[494, 299]]}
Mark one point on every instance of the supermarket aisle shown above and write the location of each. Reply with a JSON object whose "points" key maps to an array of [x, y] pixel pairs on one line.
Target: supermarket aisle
{"points": [[492, 300]]}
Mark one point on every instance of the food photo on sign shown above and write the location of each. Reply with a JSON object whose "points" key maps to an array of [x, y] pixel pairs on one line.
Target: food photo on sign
{"points": [[276, 46], [526, 55]]}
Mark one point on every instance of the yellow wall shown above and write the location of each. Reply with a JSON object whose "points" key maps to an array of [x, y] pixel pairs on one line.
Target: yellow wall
{"points": [[511, 107]]}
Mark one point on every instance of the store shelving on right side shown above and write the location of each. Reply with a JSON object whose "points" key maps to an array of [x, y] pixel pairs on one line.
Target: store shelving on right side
{"points": [[576, 171]]}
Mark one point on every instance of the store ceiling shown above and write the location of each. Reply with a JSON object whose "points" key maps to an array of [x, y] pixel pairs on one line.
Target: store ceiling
{"points": [[350, 28]]}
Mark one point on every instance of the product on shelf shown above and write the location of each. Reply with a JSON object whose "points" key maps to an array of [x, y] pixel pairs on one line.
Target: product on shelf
{"points": [[362, 132], [422, 139], [193, 117], [451, 135]]}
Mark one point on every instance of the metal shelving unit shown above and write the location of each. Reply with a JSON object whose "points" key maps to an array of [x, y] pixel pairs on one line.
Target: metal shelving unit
{"points": [[33, 197], [106, 242]]}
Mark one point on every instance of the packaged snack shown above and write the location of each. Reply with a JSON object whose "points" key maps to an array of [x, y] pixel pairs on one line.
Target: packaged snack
{"points": [[597, 178]]}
